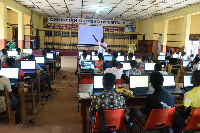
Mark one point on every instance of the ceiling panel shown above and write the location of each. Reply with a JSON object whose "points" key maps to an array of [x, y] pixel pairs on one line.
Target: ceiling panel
{"points": [[108, 9]]}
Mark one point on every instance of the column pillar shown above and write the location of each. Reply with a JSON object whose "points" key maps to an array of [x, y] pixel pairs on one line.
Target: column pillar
{"points": [[3, 26], [20, 30], [186, 34], [164, 36]]}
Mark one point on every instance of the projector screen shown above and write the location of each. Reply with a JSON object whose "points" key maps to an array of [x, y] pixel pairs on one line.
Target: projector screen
{"points": [[85, 34]]}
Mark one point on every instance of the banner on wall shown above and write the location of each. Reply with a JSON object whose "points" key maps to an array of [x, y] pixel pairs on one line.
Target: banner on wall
{"points": [[67, 23]]}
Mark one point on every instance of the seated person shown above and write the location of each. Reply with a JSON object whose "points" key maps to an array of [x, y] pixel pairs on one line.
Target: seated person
{"points": [[133, 70], [12, 44], [7, 48], [84, 56], [193, 64], [109, 51], [158, 68], [191, 101], [11, 63], [14, 101], [19, 54], [160, 99], [143, 59], [99, 63], [46, 76], [108, 99], [130, 57], [115, 55], [4, 54], [114, 70]]}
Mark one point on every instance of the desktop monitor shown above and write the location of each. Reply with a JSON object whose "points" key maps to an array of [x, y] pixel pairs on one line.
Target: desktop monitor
{"points": [[10, 73], [107, 58], [87, 65], [133, 58], [175, 56], [27, 51], [161, 58], [162, 53], [169, 80], [50, 56], [95, 57], [126, 66], [14, 49], [98, 82], [120, 58], [185, 62], [88, 57], [173, 61], [40, 59], [28, 65], [12, 53], [187, 81], [149, 66], [139, 81]]}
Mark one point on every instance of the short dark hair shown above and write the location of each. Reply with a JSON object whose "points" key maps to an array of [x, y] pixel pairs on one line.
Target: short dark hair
{"points": [[130, 55], [196, 59], [196, 75], [31, 57], [109, 50], [100, 55], [7, 47], [10, 62], [143, 58], [133, 63], [18, 49], [109, 80], [53, 48], [115, 54], [4, 51], [158, 67], [48, 50], [122, 53], [156, 79], [84, 54], [114, 63], [96, 52], [84, 51], [44, 52]]}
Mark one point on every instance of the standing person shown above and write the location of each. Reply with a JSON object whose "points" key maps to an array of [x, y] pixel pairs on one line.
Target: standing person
{"points": [[102, 45], [12, 44], [132, 47]]}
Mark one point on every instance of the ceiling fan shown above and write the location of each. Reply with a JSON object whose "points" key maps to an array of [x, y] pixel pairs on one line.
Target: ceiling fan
{"points": [[153, 1]]}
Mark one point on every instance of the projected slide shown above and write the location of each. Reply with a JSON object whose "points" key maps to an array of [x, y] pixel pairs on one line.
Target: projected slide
{"points": [[85, 34]]}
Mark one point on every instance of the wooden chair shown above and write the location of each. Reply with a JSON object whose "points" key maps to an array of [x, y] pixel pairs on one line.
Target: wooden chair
{"points": [[9, 115]]}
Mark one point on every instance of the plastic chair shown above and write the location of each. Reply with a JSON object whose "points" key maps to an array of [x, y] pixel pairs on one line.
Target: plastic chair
{"points": [[158, 119], [86, 81], [194, 122], [119, 81], [114, 120]]}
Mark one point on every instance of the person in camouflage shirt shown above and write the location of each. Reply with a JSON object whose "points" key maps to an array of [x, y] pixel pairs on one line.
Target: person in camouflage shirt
{"points": [[133, 70], [108, 99]]}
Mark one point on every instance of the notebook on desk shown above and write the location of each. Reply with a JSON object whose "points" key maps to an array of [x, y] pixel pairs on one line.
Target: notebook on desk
{"points": [[40, 60], [98, 84], [139, 84], [87, 67], [11, 73], [149, 67], [169, 84], [187, 82], [28, 66]]}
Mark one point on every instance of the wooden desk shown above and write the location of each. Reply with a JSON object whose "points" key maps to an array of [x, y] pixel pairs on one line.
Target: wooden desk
{"points": [[20, 89], [53, 62], [135, 101]]}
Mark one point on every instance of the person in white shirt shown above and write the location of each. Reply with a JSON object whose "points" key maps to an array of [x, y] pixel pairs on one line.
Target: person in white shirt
{"points": [[114, 70], [14, 101], [158, 68], [102, 45], [84, 56]]}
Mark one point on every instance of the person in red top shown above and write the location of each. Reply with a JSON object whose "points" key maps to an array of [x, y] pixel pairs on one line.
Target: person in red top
{"points": [[11, 63], [99, 63]]}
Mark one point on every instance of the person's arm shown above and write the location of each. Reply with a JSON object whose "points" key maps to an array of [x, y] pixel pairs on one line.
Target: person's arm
{"points": [[7, 87], [187, 101], [95, 38], [103, 46]]}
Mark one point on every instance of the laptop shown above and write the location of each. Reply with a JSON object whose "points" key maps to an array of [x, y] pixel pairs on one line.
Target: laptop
{"points": [[149, 67], [98, 84], [107, 58], [87, 67], [133, 58], [11, 73], [173, 61], [40, 60], [120, 58], [175, 56], [187, 86], [139, 84], [126, 66], [28, 66], [12, 53], [161, 58], [95, 57], [49, 56], [88, 57], [185, 63], [169, 84], [27, 51], [162, 53]]}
